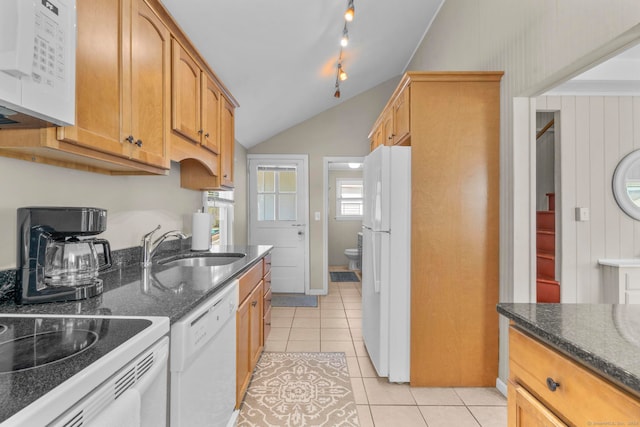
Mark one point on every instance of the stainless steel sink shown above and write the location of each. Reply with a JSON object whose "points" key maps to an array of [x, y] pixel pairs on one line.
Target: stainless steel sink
{"points": [[202, 260]]}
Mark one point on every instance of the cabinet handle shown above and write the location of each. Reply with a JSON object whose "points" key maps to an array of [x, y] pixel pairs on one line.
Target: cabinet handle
{"points": [[551, 384], [139, 143], [254, 303], [225, 175], [268, 324], [200, 131], [206, 135], [130, 139]]}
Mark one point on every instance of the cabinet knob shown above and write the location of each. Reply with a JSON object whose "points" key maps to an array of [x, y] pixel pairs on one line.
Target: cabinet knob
{"points": [[225, 175], [551, 384], [206, 135], [254, 303], [200, 131], [130, 139], [139, 143]]}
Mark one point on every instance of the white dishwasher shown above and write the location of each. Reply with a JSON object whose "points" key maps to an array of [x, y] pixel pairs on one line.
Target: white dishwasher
{"points": [[203, 363]]}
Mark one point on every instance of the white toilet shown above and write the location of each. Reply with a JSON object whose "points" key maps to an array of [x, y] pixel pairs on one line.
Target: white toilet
{"points": [[352, 255]]}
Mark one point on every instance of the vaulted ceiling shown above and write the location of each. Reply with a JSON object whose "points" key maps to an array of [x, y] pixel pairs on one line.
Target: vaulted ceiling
{"points": [[278, 58]]}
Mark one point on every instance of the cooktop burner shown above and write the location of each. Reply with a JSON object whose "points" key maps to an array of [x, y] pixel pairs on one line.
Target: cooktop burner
{"points": [[37, 353], [37, 350]]}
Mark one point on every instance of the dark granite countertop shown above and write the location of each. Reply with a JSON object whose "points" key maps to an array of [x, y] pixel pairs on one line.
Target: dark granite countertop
{"points": [[163, 291], [603, 337]]}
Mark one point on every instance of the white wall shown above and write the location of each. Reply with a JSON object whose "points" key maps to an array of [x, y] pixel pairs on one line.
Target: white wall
{"points": [[595, 134], [536, 43], [135, 204]]}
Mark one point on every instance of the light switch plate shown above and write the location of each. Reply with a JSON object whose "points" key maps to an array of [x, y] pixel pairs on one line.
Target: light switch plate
{"points": [[317, 216], [582, 214]]}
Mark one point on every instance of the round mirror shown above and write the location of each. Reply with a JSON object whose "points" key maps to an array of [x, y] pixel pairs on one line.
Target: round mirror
{"points": [[626, 184]]}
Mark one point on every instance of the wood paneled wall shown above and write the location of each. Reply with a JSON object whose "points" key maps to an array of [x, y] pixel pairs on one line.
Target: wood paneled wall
{"points": [[595, 132]]}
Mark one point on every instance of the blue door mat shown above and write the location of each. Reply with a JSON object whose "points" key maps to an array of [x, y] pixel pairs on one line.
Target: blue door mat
{"points": [[344, 276], [294, 300]]}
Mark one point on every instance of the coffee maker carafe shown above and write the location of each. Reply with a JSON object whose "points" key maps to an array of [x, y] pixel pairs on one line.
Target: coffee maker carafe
{"points": [[54, 263]]}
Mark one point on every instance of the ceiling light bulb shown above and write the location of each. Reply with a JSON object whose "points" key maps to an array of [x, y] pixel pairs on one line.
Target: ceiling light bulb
{"points": [[348, 15], [342, 74], [344, 41]]}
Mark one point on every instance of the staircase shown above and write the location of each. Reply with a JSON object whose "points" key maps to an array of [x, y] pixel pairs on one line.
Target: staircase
{"points": [[547, 288]]}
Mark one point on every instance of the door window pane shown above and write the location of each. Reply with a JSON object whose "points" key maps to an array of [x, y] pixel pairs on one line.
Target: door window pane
{"points": [[288, 181], [277, 183], [287, 207]]}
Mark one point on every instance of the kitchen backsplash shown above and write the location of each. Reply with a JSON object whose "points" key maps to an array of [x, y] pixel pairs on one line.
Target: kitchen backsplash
{"points": [[120, 258]]}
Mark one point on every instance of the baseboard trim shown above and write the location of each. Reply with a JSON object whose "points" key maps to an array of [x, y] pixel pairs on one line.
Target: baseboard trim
{"points": [[501, 386]]}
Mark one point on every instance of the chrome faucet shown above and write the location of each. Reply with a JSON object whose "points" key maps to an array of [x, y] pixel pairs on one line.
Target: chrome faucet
{"points": [[149, 249]]}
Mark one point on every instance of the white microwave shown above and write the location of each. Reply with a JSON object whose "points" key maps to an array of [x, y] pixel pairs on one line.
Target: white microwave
{"points": [[37, 62]]}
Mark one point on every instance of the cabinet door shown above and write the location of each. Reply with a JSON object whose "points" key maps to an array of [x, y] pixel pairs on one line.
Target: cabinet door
{"points": [[387, 128], [185, 89], [210, 114], [255, 329], [98, 109], [149, 90], [243, 372], [401, 117], [527, 411], [227, 141]]}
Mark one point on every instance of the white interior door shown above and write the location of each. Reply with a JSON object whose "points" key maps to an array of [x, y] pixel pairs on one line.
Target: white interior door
{"points": [[278, 216]]}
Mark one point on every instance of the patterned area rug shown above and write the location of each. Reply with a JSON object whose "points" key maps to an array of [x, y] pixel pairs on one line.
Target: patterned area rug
{"points": [[344, 276], [299, 390]]}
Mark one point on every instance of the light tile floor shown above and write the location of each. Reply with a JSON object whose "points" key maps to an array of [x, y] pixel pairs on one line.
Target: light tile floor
{"points": [[336, 326]]}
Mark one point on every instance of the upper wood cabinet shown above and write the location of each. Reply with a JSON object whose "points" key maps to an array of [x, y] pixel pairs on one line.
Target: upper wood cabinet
{"points": [[195, 101], [144, 97], [211, 105], [393, 124], [146, 85], [227, 143], [122, 96]]}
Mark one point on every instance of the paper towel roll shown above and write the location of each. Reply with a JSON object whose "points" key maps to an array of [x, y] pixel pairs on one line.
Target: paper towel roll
{"points": [[201, 229]]}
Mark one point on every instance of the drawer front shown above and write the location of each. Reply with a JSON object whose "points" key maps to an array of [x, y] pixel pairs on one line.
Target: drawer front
{"points": [[632, 297], [267, 299], [249, 280], [267, 323], [267, 282], [266, 261], [632, 278], [582, 397]]}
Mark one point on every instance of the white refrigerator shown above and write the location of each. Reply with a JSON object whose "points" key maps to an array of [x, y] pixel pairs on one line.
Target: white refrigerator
{"points": [[386, 261]]}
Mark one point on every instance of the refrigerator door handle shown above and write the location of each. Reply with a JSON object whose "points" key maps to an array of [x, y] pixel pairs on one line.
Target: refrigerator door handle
{"points": [[375, 252]]}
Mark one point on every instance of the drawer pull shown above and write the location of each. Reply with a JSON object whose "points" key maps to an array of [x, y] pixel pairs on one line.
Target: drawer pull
{"points": [[551, 384], [254, 303]]}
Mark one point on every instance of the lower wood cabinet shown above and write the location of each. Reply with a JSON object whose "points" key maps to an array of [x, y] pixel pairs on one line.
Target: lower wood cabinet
{"points": [[547, 388], [253, 322]]}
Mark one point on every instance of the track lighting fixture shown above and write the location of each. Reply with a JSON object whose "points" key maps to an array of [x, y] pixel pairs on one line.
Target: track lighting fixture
{"points": [[344, 41], [349, 14], [342, 74]]}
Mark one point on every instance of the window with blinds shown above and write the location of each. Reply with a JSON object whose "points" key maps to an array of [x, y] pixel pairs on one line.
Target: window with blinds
{"points": [[349, 198]]}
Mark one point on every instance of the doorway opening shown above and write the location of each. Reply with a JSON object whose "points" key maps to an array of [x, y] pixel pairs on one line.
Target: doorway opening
{"points": [[343, 184], [547, 248]]}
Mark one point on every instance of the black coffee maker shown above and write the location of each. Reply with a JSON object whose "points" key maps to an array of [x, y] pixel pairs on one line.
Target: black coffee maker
{"points": [[54, 264]]}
